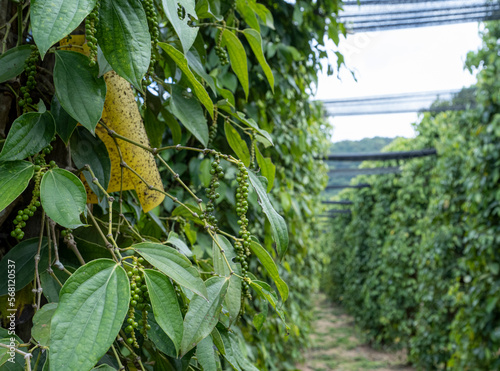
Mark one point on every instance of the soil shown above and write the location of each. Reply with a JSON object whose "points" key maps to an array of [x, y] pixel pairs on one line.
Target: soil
{"points": [[337, 345]]}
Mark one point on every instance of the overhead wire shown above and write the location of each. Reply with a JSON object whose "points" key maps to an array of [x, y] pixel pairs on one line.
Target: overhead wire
{"points": [[377, 15]]}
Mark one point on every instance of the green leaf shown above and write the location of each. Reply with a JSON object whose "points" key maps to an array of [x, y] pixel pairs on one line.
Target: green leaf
{"points": [[173, 264], [41, 324], [4, 333], [271, 268], [154, 128], [181, 61], [186, 33], [12, 62], [264, 14], [24, 256], [65, 124], [197, 66], [237, 144], [266, 167], [103, 64], [232, 300], [255, 41], [18, 363], [92, 307], [208, 9], [51, 20], [165, 305], [160, 338], [243, 361], [248, 14], [14, 178], [63, 197], [268, 293], [104, 367], [278, 225], [186, 211], [124, 38], [248, 122], [51, 287], [251, 123], [89, 150], [78, 89], [205, 353], [177, 242], [173, 125], [259, 319], [238, 58], [229, 355], [216, 338], [202, 315], [204, 173], [189, 112], [29, 134]]}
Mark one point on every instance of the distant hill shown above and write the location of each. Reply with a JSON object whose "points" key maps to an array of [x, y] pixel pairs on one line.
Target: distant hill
{"points": [[363, 145], [353, 146]]}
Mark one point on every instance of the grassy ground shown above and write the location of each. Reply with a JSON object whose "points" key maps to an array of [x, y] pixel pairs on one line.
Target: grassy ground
{"points": [[337, 346]]}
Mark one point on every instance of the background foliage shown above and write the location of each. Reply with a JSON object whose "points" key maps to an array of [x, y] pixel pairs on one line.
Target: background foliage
{"points": [[417, 262]]}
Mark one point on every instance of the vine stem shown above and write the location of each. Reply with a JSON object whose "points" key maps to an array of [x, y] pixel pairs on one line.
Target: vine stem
{"points": [[214, 238], [27, 356], [247, 131], [178, 147], [175, 199], [109, 236], [8, 26], [120, 365], [20, 27], [38, 284], [109, 246], [155, 153], [71, 243], [51, 225], [179, 180], [231, 236], [35, 367], [115, 136], [53, 275], [137, 358]]}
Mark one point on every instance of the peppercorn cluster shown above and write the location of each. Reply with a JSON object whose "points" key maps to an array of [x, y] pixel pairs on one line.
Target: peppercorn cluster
{"points": [[212, 133], [220, 51], [217, 173], [222, 54], [90, 33], [139, 301], [154, 31], [181, 12], [30, 70], [243, 247], [23, 215]]}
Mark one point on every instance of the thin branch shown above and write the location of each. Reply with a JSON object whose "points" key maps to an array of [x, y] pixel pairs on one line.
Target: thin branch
{"points": [[27, 356], [71, 243], [38, 283], [109, 246], [51, 224], [120, 365]]}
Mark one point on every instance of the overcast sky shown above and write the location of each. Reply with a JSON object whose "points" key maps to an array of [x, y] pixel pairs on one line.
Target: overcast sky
{"points": [[399, 61]]}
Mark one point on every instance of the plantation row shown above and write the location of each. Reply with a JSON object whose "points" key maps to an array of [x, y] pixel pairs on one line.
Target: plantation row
{"points": [[418, 261]]}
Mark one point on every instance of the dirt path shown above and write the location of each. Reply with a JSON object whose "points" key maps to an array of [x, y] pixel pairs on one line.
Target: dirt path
{"points": [[337, 346]]}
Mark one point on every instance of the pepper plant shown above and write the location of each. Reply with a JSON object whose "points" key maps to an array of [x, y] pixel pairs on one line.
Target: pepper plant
{"points": [[144, 175]]}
